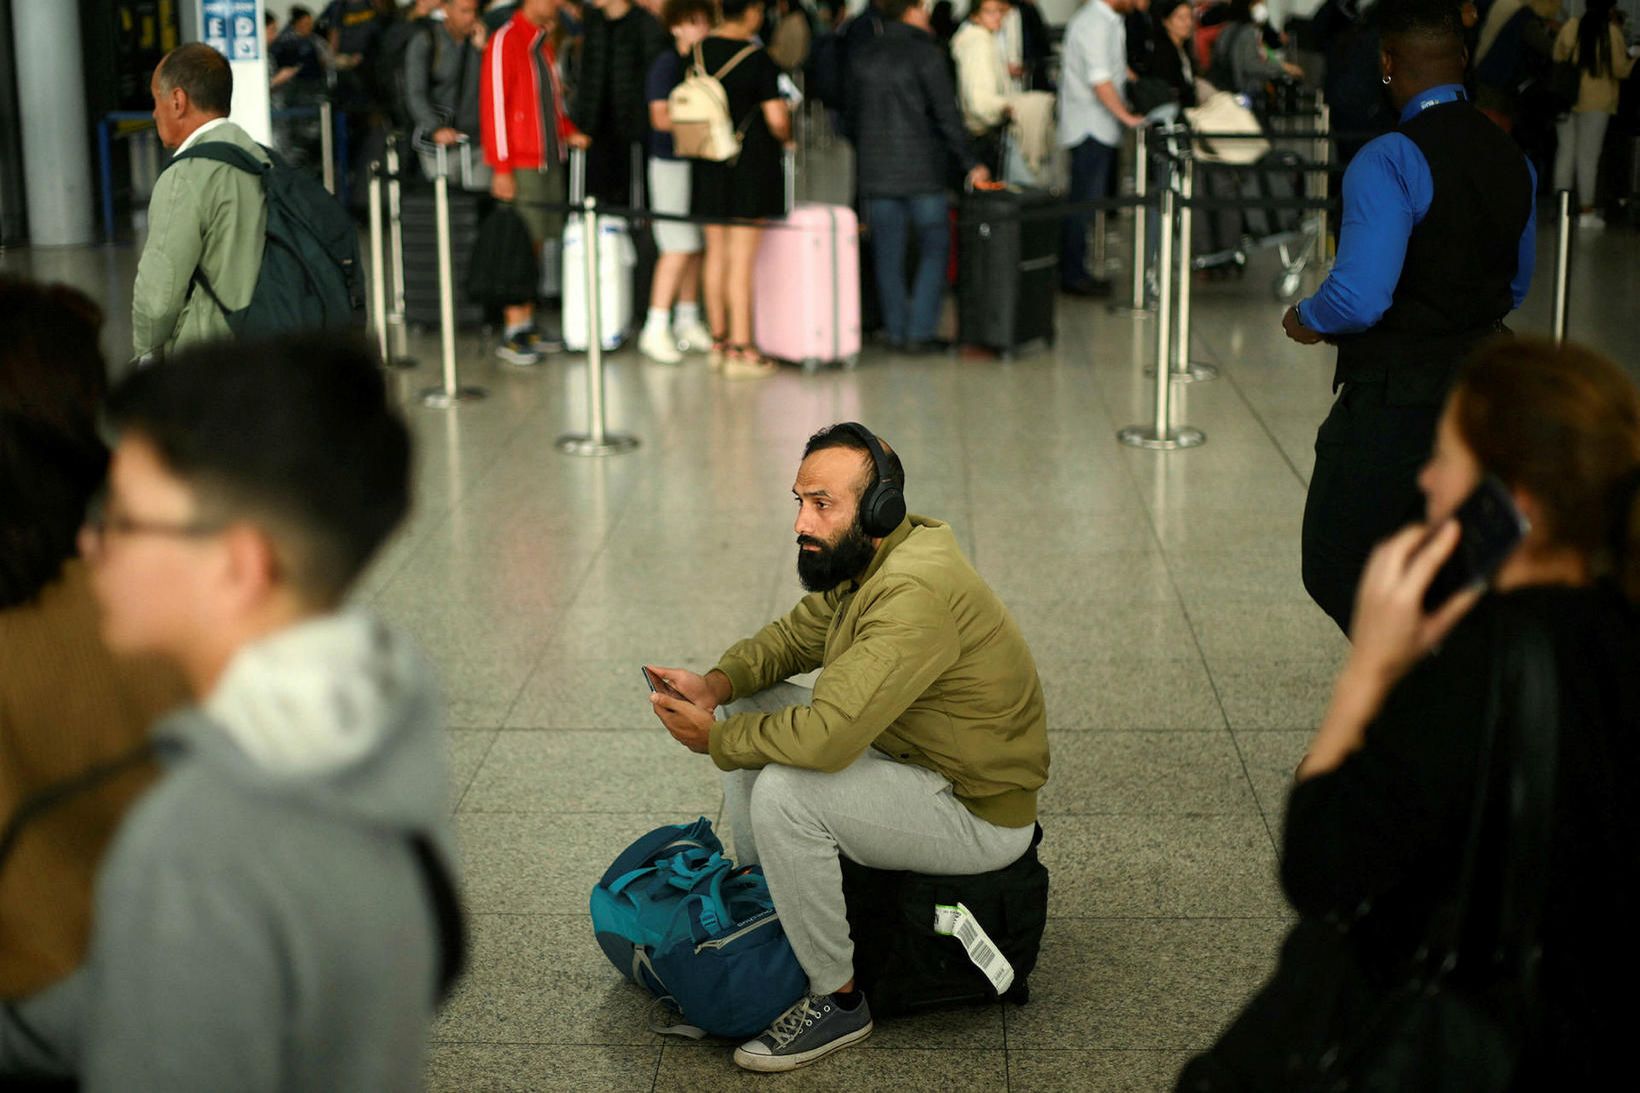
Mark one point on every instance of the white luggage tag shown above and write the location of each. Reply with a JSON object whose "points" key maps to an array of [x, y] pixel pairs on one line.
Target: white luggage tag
{"points": [[959, 922]]}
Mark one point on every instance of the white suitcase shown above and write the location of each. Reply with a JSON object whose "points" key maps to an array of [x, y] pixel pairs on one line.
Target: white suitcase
{"points": [[616, 258]]}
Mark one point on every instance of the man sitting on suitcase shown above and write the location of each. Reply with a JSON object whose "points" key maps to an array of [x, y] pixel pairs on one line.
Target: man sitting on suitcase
{"points": [[920, 748]]}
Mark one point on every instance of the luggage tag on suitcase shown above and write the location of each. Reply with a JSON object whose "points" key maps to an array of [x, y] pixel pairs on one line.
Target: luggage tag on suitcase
{"points": [[959, 922]]}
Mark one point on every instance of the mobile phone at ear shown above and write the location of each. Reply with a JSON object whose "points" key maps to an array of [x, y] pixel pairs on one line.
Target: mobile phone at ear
{"points": [[657, 684], [1491, 527]]}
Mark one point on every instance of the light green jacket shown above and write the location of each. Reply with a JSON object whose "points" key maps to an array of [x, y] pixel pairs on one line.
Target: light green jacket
{"points": [[922, 661], [206, 215]]}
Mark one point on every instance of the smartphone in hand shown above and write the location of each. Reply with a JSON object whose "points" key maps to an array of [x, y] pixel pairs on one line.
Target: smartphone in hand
{"points": [[657, 684], [1491, 527]]}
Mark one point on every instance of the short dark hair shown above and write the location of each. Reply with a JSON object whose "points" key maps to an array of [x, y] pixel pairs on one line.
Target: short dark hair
{"points": [[295, 434], [834, 436], [677, 12], [734, 9], [893, 10], [1435, 22], [52, 381], [297, 13], [202, 73]]}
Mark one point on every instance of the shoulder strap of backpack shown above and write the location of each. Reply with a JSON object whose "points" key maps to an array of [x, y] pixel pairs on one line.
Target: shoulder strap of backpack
{"points": [[733, 61], [93, 777], [447, 913], [220, 151], [698, 68]]}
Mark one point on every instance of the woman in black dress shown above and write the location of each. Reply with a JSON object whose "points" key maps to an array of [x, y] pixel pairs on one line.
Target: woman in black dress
{"points": [[1378, 821], [749, 187]]}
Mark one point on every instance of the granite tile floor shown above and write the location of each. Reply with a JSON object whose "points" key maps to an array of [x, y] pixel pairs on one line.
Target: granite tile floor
{"points": [[1183, 664]]}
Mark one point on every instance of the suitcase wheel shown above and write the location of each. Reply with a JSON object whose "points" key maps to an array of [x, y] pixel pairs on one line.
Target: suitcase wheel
{"points": [[851, 362], [1020, 993], [811, 365]]}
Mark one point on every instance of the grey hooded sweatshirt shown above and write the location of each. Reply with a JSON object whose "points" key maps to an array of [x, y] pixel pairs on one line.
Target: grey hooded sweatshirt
{"points": [[261, 920]]}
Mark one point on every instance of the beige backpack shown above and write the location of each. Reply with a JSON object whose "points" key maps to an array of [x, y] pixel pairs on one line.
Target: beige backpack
{"points": [[699, 108]]}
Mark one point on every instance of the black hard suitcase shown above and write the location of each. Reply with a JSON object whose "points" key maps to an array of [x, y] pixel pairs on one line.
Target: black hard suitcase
{"points": [[904, 966], [419, 226], [1277, 175], [1007, 269]]}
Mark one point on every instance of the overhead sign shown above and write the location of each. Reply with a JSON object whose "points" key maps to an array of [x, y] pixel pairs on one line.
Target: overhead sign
{"points": [[232, 29]]}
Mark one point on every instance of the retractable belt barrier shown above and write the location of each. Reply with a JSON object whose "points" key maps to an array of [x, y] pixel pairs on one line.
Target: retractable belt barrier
{"points": [[1171, 356]]}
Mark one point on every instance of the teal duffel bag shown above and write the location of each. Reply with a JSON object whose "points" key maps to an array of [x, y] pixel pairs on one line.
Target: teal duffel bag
{"points": [[675, 916]]}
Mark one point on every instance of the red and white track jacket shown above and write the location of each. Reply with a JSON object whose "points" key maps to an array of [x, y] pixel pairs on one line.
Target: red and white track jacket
{"points": [[512, 119]]}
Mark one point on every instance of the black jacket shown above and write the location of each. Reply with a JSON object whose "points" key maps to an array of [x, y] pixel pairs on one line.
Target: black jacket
{"points": [[903, 116], [1166, 65], [1386, 830], [608, 102]]}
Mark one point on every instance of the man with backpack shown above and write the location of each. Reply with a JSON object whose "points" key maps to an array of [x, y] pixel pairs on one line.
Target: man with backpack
{"points": [[203, 215], [239, 244], [441, 78], [920, 748]]}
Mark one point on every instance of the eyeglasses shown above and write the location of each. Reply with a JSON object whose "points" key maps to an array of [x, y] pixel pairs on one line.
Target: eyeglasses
{"points": [[101, 524]]}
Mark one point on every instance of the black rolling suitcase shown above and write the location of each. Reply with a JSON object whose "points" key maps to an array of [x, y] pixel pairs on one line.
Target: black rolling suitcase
{"points": [[911, 954], [419, 226], [1278, 175], [1007, 269]]}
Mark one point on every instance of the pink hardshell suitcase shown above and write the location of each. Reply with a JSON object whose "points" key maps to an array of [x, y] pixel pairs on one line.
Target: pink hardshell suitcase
{"points": [[806, 301]]}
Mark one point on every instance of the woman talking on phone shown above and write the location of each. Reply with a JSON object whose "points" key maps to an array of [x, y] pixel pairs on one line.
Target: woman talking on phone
{"points": [[1525, 699]]}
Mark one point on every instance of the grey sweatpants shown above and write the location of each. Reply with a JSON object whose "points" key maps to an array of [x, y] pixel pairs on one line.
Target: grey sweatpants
{"points": [[879, 812]]}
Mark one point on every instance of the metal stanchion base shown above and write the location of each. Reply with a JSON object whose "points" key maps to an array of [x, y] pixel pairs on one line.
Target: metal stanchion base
{"points": [[1199, 372], [440, 399], [1142, 436], [581, 444], [400, 363]]}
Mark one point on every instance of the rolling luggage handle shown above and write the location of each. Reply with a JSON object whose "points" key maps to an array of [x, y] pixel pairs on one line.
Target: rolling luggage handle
{"points": [[451, 393], [577, 175]]}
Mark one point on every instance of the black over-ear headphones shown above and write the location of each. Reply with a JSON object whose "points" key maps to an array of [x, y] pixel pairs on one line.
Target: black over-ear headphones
{"points": [[882, 505]]}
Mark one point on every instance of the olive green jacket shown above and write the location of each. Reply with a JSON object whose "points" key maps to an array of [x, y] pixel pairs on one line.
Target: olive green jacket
{"points": [[922, 661], [207, 215]]}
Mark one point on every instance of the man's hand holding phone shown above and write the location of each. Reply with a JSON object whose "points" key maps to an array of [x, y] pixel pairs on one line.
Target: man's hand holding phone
{"points": [[685, 702]]}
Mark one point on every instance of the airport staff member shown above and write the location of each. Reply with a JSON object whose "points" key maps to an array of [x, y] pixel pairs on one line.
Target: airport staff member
{"points": [[1435, 247]]}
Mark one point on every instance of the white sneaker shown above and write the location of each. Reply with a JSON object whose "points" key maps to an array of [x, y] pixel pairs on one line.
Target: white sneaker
{"points": [[656, 343], [1590, 220], [693, 337]]}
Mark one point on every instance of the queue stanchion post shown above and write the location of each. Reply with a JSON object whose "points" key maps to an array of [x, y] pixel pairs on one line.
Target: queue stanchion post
{"points": [[1320, 183], [1563, 264], [378, 275], [597, 440], [395, 219], [1141, 187], [451, 393], [1186, 370], [327, 144], [1161, 435]]}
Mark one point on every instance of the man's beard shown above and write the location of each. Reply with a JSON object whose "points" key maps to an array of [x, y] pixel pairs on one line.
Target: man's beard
{"points": [[824, 569]]}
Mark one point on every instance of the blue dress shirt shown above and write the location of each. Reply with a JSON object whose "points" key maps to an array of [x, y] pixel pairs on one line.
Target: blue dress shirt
{"points": [[1387, 192]]}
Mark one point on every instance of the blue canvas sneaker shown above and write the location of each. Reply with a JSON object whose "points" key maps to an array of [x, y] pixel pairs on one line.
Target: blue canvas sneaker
{"points": [[812, 1029]]}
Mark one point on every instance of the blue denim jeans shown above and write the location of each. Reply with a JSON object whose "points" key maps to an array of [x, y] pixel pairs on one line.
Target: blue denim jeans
{"points": [[912, 318], [1091, 164]]}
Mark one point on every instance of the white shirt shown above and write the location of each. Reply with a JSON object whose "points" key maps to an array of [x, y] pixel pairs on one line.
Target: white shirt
{"points": [[199, 134], [1095, 53]]}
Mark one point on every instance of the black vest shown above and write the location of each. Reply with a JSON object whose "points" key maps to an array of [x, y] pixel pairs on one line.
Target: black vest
{"points": [[1454, 289]]}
